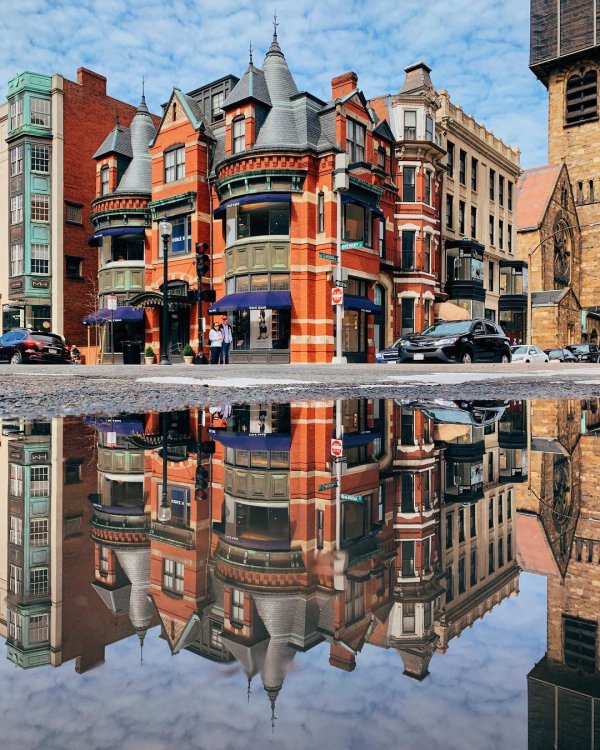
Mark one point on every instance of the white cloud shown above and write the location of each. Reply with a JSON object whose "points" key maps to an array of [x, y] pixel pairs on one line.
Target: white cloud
{"points": [[478, 51]]}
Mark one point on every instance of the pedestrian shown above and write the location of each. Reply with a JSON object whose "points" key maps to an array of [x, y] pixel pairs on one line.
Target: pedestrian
{"points": [[75, 355], [227, 339], [215, 340]]}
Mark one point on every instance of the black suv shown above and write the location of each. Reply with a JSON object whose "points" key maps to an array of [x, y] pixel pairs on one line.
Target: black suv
{"points": [[585, 352], [22, 345], [463, 341]]}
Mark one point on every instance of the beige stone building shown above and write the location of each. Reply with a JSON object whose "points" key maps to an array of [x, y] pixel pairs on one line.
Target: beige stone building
{"points": [[479, 205]]}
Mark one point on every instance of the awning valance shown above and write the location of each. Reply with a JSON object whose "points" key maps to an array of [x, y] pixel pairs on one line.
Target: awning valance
{"points": [[349, 198], [269, 300], [356, 439], [120, 315], [352, 302], [118, 426], [155, 299], [273, 441], [95, 238], [242, 200]]}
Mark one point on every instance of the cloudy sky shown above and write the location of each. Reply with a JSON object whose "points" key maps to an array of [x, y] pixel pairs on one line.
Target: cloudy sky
{"points": [[478, 49]]}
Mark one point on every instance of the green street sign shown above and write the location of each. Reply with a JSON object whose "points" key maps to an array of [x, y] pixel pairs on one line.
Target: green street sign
{"points": [[327, 486], [352, 498], [352, 245], [326, 256]]}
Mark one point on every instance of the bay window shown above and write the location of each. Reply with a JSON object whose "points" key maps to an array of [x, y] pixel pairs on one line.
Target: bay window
{"points": [[408, 184], [357, 224], [263, 219], [40, 112], [40, 259], [355, 140], [104, 186], [410, 125], [408, 249], [239, 135]]}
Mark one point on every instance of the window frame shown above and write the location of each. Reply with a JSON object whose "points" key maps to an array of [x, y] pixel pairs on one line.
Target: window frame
{"points": [[355, 150], [409, 188], [43, 260], [16, 209], [17, 260], [238, 139], [17, 156], [409, 131], [104, 180], [43, 114], [39, 158], [176, 170], [40, 208]]}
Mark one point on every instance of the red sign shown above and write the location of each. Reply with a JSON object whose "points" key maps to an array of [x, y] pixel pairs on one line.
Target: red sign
{"points": [[337, 295], [337, 447]]}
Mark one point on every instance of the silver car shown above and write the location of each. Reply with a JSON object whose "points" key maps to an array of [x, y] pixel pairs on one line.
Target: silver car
{"points": [[529, 353]]}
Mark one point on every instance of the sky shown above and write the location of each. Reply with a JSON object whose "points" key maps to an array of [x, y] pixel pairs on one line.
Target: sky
{"points": [[478, 49]]}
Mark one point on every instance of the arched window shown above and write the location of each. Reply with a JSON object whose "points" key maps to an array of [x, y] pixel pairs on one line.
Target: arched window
{"points": [[582, 97], [562, 254], [239, 135], [104, 181]]}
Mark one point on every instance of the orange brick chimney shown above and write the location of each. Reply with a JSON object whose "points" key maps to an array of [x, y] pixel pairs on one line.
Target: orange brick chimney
{"points": [[344, 84], [91, 80]]}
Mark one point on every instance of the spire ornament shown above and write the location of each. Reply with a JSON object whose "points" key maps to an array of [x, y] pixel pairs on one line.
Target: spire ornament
{"points": [[251, 61]]}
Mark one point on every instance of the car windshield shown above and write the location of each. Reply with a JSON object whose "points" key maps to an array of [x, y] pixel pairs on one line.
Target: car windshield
{"points": [[454, 328], [45, 338], [581, 348], [519, 350]]}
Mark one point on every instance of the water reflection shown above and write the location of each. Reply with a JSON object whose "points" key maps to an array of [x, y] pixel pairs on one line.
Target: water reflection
{"points": [[236, 530]]}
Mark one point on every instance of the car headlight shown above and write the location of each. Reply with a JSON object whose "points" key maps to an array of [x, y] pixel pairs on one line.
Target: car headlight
{"points": [[447, 342]]}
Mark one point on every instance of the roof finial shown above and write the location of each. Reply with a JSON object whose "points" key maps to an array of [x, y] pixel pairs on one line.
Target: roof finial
{"points": [[251, 52], [143, 89], [249, 688], [275, 25]]}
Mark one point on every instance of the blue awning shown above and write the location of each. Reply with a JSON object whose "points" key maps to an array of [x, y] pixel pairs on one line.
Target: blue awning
{"points": [[242, 200], [352, 302], [348, 198], [270, 300], [120, 315], [119, 426], [273, 441], [115, 232], [356, 439]]}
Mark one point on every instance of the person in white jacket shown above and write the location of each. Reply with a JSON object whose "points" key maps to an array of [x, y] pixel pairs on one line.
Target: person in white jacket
{"points": [[215, 340]]}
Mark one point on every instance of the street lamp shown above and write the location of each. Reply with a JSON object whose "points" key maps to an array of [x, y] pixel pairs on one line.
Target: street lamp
{"points": [[165, 229], [164, 512], [341, 181]]}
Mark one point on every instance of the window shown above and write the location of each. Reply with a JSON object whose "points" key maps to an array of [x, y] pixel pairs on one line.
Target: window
{"points": [[428, 187], [474, 166], [408, 249], [473, 521], [407, 427], [491, 564], [173, 576], [320, 519], [16, 480], [582, 97], [40, 208], [355, 140], [381, 158], [491, 230], [449, 584], [473, 222], [16, 209], [500, 508], [181, 238], [500, 189], [261, 219], [38, 581], [39, 628], [410, 125], [427, 555], [407, 501], [74, 213], [427, 316], [73, 267], [500, 553], [17, 264], [15, 625], [16, 531], [39, 481], [15, 579], [473, 576], [427, 253], [509, 237], [354, 601], [357, 224], [16, 113], [40, 159], [321, 213], [216, 105], [16, 161], [509, 554], [38, 532], [408, 184], [491, 513], [461, 217], [40, 112], [450, 158], [72, 526], [501, 234], [461, 575], [428, 127], [509, 504], [104, 187], [239, 135], [461, 525], [408, 559], [175, 164], [449, 211], [490, 276], [382, 238], [449, 530], [462, 167], [492, 185], [40, 259], [510, 195], [408, 315], [408, 617]]}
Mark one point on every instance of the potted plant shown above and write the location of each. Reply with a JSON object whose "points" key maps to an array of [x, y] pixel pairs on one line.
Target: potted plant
{"points": [[188, 354], [149, 355]]}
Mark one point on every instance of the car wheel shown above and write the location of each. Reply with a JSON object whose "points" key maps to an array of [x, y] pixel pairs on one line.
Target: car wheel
{"points": [[16, 358], [527, 361], [504, 359], [466, 358]]}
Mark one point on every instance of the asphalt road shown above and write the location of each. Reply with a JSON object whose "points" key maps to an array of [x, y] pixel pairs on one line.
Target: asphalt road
{"points": [[48, 390]]}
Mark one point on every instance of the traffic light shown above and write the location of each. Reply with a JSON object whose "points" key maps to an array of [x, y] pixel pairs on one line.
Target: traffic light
{"points": [[201, 483], [208, 295], [202, 259]]}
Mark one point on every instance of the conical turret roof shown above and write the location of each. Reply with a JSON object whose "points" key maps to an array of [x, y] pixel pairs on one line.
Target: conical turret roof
{"points": [[138, 175]]}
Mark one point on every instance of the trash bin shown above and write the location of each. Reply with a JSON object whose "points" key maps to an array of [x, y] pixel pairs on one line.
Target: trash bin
{"points": [[132, 352]]}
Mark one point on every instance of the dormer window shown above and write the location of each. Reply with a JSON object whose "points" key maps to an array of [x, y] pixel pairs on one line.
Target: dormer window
{"points": [[175, 164], [355, 140], [381, 158], [104, 181], [216, 105], [410, 125], [239, 135], [582, 97]]}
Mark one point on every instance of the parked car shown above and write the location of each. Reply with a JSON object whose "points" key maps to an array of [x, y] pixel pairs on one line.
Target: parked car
{"points": [[560, 355], [585, 352], [390, 353], [478, 413], [23, 345], [463, 341], [528, 353]]}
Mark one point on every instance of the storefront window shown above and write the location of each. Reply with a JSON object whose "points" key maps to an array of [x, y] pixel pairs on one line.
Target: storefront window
{"points": [[354, 331], [357, 224], [259, 282], [261, 329], [464, 266], [260, 219]]}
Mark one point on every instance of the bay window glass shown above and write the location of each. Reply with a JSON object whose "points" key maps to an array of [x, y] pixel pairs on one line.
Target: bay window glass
{"points": [[429, 128], [16, 113], [408, 315], [40, 112], [355, 140], [16, 161], [40, 259], [410, 125], [428, 188], [408, 249], [17, 267], [239, 135], [408, 184], [16, 209], [104, 188], [427, 254], [40, 159], [40, 208], [357, 224], [263, 219]]}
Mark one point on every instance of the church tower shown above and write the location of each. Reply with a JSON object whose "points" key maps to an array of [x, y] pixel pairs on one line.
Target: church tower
{"points": [[565, 56]]}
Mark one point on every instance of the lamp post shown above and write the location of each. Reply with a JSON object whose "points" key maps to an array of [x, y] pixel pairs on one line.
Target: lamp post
{"points": [[164, 511], [165, 229], [202, 268], [340, 182]]}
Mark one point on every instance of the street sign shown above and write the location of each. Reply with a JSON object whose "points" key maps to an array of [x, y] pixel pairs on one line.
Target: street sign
{"points": [[327, 256], [339, 282], [327, 486], [337, 295], [352, 498], [337, 447], [111, 303], [352, 245]]}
